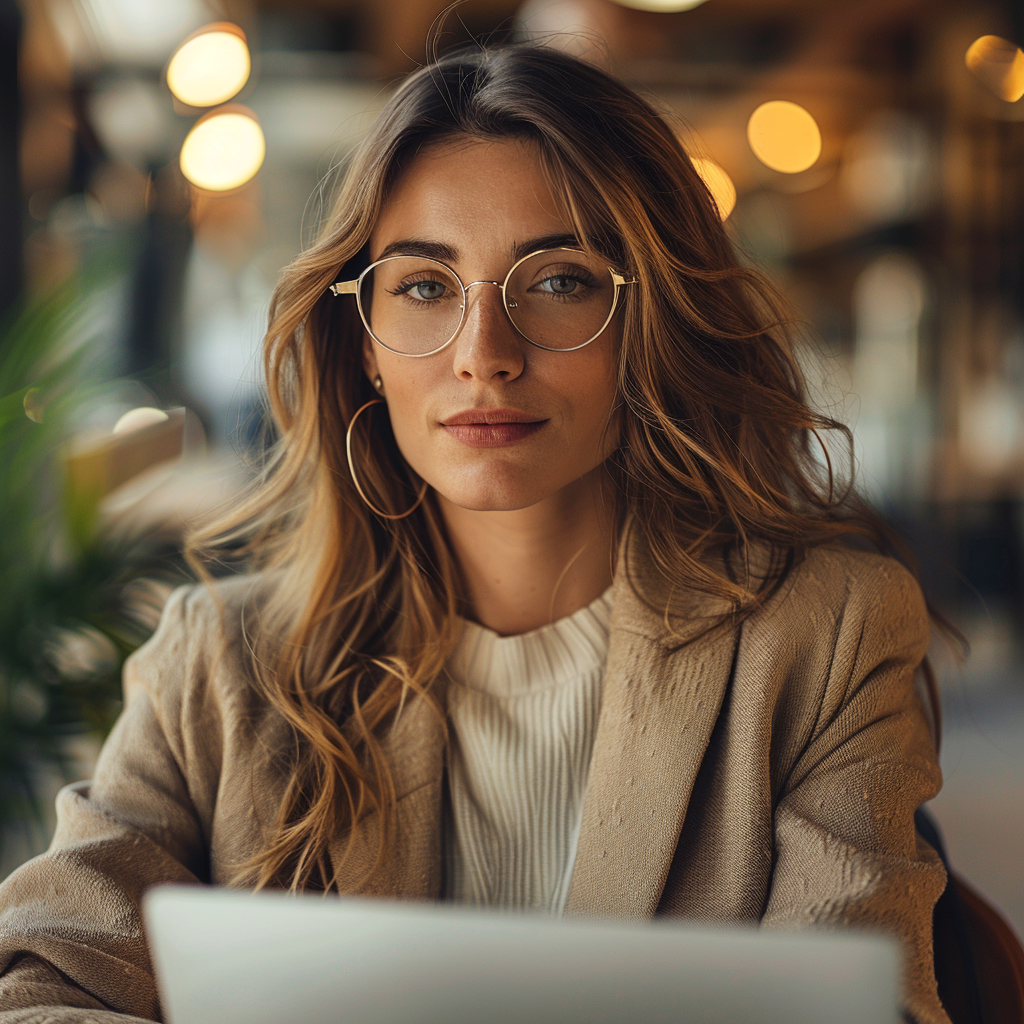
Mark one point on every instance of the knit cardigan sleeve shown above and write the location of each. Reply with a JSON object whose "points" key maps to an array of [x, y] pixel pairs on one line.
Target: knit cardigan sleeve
{"points": [[72, 948], [846, 850]]}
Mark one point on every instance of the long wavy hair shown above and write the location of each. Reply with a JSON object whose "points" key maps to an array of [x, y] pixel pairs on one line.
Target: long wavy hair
{"points": [[718, 450]]}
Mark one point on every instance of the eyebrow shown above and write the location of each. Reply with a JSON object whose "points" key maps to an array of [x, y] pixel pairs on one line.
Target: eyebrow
{"points": [[445, 253]]}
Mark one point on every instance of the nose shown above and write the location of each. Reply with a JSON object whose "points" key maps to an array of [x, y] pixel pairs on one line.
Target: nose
{"points": [[487, 346]]}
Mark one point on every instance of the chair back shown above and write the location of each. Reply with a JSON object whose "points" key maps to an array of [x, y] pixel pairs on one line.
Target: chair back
{"points": [[979, 961]]}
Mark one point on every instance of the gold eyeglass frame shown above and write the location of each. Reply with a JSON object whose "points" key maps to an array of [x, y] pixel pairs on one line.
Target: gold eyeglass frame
{"points": [[355, 288]]}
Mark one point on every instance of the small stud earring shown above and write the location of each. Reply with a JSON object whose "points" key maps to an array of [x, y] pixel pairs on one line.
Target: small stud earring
{"points": [[378, 383]]}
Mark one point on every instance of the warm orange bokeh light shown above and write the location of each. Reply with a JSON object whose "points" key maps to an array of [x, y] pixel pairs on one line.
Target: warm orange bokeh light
{"points": [[211, 66], [784, 136], [998, 65], [719, 184], [224, 150]]}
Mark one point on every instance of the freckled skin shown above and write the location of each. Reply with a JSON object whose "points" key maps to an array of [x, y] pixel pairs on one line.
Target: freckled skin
{"points": [[483, 197]]}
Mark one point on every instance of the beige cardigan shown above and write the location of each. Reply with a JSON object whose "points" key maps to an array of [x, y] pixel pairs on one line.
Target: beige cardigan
{"points": [[763, 773]]}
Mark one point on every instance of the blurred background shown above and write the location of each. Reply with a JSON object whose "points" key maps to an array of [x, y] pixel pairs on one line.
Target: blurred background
{"points": [[161, 160]]}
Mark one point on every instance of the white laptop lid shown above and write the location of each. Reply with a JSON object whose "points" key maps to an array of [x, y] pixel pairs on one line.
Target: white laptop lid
{"points": [[228, 957]]}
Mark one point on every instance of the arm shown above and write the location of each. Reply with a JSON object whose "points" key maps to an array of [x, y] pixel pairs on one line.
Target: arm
{"points": [[72, 947], [846, 850]]}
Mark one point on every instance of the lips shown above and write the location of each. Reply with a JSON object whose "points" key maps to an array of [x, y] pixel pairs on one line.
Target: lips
{"points": [[490, 416], [492, 428]]}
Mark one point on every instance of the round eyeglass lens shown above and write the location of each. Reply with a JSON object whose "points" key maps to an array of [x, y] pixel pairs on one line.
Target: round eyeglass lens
{"points": [[560, 299], [412, 305]]}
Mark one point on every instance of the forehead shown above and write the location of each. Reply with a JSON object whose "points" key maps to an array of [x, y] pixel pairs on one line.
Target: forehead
{"points": [[476, 195]]}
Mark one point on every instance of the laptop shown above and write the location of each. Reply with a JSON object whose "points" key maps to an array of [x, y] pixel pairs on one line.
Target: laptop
{"points": [[230, 957]]}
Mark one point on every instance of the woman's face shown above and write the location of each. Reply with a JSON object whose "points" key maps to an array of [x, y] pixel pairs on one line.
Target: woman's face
{"points": [[484, 201]]}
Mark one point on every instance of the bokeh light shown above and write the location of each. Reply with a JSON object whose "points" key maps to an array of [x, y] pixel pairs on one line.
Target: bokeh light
{"points": [[33, 405], [999, 65], [719, 184], [138, 419], [784, 136], [210, 67], [224, 150], [661, 6]]}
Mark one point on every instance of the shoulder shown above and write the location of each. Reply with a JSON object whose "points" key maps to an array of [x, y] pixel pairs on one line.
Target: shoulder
{"points": [[823, 589], [198, 617], [205, 635], [218, 606], [831, 581], [838, 615]]}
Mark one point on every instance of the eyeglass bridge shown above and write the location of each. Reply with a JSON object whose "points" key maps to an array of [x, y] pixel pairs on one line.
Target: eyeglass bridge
{"points": [[511, 303]]}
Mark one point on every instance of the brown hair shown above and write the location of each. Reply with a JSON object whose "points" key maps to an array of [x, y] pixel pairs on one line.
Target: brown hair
{"points": [[718, 449]]}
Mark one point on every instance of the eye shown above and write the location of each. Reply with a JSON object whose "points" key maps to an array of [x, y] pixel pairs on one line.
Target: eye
{"points": [[566, 282], [425, 291], [560, 284]]}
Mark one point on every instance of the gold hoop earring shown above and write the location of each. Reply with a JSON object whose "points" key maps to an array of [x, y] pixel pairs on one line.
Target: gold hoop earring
{"points": [[352, 468]]}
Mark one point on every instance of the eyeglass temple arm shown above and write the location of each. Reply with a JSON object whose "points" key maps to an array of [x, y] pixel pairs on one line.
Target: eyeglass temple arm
{"points": [[351, 287]]}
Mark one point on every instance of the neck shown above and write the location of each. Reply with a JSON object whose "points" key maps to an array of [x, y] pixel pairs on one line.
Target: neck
{"points": [[528, 567]]}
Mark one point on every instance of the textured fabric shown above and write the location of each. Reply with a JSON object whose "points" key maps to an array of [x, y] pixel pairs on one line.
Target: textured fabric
{"points": [[522, 713], [766, 772]]}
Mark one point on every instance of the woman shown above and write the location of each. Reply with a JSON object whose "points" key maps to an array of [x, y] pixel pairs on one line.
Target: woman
{"points": [[551, 610]]}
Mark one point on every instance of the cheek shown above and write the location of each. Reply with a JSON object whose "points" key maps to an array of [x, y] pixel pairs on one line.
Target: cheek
{"points": [[607, 408], [607, 425], [594, 390], [407, 389]]}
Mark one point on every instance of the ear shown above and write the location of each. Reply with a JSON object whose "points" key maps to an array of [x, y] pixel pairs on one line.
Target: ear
{"points": [[369, 358]]}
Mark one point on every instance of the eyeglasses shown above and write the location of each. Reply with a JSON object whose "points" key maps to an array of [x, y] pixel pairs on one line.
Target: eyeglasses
{"points": [[557, 299]]}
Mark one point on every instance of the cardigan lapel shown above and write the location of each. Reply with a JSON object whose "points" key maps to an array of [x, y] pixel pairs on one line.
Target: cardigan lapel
{"points": [[661, 700], [411, 868]]}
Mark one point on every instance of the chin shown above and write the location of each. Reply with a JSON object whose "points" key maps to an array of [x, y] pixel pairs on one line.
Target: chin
{"points": [[492, 500], [494, 491]]}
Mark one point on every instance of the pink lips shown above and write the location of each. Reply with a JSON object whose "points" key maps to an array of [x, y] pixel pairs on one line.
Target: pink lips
{"points": [[491, 428]]}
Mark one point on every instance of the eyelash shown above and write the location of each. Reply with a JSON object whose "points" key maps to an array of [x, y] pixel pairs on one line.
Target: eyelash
{"points": [[573, 274], [580, 277], [406, 286]]}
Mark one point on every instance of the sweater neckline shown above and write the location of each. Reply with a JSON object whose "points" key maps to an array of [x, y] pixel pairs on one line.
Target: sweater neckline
{"points": [[543, 658]]}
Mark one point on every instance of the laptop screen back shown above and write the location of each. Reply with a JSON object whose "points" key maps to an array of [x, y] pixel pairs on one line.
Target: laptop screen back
{"points": [[228, 957]]}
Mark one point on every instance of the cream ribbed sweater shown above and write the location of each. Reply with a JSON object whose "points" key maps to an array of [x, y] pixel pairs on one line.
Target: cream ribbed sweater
{"points": [[522, 716]]}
